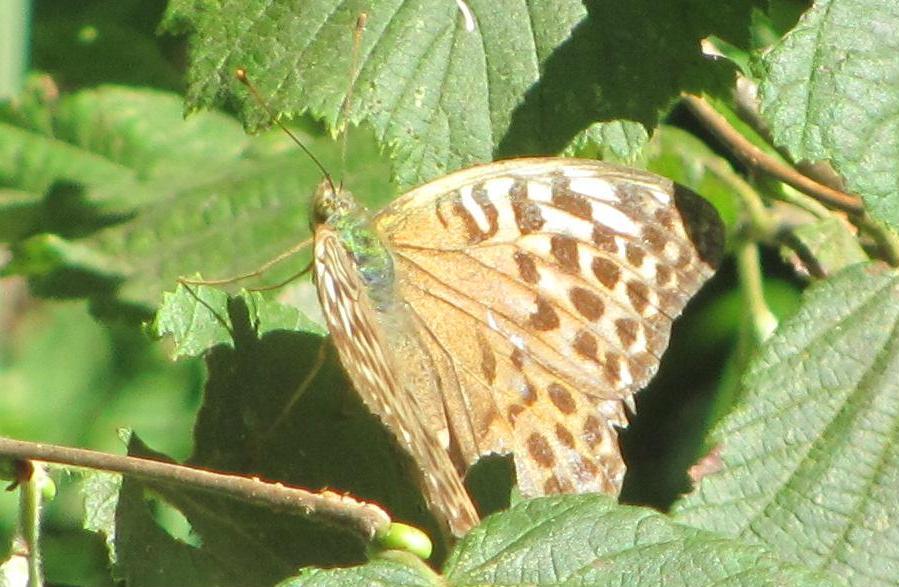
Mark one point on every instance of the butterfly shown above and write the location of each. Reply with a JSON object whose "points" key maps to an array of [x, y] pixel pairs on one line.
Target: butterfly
{"points": [[511, 308]]}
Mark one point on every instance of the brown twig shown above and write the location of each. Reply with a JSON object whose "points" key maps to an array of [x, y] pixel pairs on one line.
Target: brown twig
{"points": [[362, 518], [758, 159]]}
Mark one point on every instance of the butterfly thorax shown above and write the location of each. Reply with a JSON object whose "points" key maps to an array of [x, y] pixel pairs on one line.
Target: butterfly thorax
{"points": [[353, 224]]}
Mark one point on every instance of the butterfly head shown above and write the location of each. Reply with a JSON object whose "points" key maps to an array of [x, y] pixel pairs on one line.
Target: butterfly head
{"points": [[331, 202]]}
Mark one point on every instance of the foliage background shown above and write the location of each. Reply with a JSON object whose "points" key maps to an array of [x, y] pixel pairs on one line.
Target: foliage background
{"points": [[73, 372]]}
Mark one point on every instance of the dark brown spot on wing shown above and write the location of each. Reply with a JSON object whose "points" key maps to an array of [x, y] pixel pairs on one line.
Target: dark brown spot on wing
{"points": [[654, 239], [517, 358], [472, 230], [514, 411], [544, 317], [634, 254], [663, 275], [641, 366], [488, 360], [587, 303], [551, 486], [604, 238], [593, 432], [527, 213], [540, 451], [627, 331], [606, 271], [528, 393], [587, 469], [702, 225], [612, 367], [585, 345], [527, 268], [564, 436], [638, 294], [480, 196], [574, 204], [561, 398], [665, 218], [564, 249], [684, 257]]}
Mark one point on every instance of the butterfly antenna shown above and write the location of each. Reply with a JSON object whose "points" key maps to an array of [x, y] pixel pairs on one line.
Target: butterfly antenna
{"points": [[241, 75], [281, 284], [255, 273], [347, 106]]}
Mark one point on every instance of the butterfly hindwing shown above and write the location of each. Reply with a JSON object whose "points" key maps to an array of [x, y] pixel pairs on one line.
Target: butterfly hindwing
{"points": [[545, 291]]}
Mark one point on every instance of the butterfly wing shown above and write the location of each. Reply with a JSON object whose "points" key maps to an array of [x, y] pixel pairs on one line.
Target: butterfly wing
{"points": [[543, 291], [358, 332]]}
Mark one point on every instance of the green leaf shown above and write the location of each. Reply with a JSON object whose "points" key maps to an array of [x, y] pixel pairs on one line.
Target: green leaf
{"points": [[584, 540], [827, 246], [198, 318], [150, 557], [395, 571], [830, 93], [278, 406], [590, 540], [444, 92], [809, 464], [101, 500]]}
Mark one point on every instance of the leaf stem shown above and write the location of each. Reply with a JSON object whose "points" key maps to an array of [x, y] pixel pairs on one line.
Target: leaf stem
{"points": [[362, 518], [887, 240], [754, 157], [763, 320], [30, 497]]}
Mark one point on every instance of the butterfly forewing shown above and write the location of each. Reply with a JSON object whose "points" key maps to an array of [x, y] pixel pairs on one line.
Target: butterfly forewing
{"points": [[533, 298], [387, 387], [545, 291]]}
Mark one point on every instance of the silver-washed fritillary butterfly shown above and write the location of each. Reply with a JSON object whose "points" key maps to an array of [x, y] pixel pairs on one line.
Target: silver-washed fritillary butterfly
{"points": [[513, 307]]}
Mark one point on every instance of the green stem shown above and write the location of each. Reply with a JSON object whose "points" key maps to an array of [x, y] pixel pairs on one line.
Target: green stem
{"points": [[30, 497], [762, 225], [763, 320], [793, 196], [14, 21], [887, 240]]}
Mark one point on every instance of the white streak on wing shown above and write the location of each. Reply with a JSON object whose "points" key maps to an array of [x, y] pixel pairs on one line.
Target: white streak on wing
{"points": [[505, 215], [631, 404], [524, 391], [610, 410], [498, 188], [578, 172], [517, 342], [614, 219], [594, 187], [662, 197], [557, 221], [328, 280], [443, 437], [539, 191], [473, 208], [491, 321], [345, 320], [626, 377]]}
